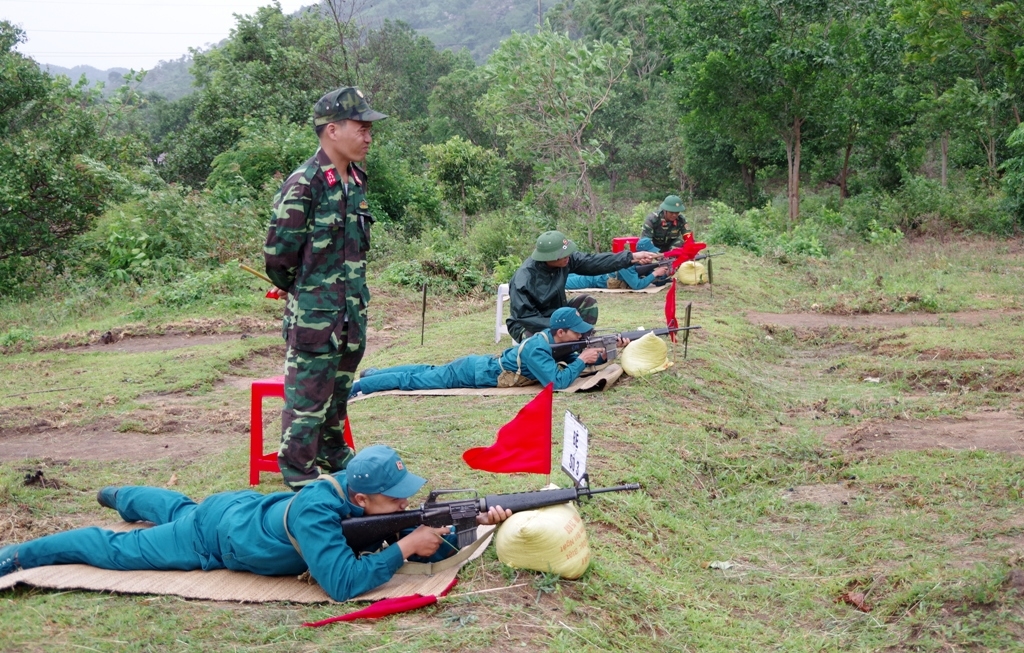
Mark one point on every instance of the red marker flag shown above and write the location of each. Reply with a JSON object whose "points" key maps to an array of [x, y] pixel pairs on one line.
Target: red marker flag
{"points": [[670, 310], [523, 445], [386, 607], [687, 252]]}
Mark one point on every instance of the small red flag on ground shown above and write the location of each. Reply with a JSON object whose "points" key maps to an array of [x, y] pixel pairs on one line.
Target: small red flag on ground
{"points": [[670, 310], [386, 607], [523, 445]]}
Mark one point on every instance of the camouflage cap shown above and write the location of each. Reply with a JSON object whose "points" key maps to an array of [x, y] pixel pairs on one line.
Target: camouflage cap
{"points": [[345, 103], [672, 204], [551, 246]]}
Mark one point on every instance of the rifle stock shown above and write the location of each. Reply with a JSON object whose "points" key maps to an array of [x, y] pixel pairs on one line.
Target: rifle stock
{"points": [[368, 531]]}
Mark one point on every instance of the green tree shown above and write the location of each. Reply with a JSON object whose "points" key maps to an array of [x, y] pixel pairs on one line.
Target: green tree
{"points": [[764, 67], [59, 162], [471, 178], [639, 127], [272, 66], [971, 57], [543, 94], [268, 149]]}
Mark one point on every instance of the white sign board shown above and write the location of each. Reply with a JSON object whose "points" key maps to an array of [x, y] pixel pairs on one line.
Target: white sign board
{"points": [[574, 448]]}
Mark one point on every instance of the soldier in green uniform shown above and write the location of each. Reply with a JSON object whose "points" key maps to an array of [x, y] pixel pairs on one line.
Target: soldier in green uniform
{"points": [[316, 251], [538, 287], [666, 226]]}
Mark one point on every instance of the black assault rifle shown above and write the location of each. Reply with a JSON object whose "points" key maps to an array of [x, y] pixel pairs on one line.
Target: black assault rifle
{"points": [[648, 268], [364, 532], [608, 343]]}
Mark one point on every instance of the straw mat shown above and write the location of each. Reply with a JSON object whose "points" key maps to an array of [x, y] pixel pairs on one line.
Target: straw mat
{"points": [[220, 584], [650, 290], [604, 379]]}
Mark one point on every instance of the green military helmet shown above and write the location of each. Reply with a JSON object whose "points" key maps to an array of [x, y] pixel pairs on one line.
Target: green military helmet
{"points": [[553, 245], [672, 204], [345, 103]]}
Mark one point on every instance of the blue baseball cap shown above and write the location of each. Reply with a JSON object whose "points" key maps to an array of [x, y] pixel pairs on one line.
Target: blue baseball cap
{"points": [[646, 245], [568, 317], [379, 470]]}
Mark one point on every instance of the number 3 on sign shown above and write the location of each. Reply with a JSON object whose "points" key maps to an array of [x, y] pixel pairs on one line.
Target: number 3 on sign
{"points": [[574, 448]]}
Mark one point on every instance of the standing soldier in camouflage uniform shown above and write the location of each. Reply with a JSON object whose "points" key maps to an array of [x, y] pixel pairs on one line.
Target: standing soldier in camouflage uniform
{"points": [[316, 251], [666, 226]]}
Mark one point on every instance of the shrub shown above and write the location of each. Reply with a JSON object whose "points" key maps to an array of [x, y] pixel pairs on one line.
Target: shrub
{"points": [[443, 273], [199, 286], [510, 232], [266, 148]]}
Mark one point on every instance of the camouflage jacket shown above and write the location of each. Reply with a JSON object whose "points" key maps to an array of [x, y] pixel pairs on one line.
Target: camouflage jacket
{"points": [[316, 250], [664, 234]]}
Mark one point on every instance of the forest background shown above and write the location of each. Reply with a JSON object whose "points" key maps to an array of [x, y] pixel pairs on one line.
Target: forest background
{"points": [[809, 126], [845, 430]]}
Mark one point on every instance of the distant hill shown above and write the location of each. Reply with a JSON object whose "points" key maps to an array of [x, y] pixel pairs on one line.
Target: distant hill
{"points": [[477, 25], [170, 79]]}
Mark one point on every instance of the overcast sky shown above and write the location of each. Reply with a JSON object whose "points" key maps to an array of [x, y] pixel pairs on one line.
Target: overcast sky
{"points": [[124, 33]]}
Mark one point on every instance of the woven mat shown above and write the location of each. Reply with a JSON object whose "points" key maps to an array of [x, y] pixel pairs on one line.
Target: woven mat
{"points": [[221, 584], [650, 290], [604, 379]]}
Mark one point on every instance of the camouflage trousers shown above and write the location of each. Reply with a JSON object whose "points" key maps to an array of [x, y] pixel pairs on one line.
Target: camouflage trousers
{"points": [[585, 304], [316, 389]]}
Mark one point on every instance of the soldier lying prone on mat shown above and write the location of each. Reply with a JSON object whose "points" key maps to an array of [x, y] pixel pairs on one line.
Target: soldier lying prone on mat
{"points": [[278, 534], [524, 364]]}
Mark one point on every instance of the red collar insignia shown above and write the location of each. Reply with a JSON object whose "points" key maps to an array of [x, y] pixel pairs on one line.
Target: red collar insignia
{"points": [[332, 176]]}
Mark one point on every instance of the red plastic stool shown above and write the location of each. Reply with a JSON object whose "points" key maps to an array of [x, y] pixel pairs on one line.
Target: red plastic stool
{"points": [[267, 462], [624, 243]]}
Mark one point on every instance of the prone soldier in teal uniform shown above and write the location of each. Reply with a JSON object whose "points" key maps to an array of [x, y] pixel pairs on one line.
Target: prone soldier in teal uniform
{"points": [[316, 251]]}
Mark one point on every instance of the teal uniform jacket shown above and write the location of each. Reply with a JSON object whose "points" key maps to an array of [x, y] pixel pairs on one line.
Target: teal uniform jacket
{"points": [[243, 531]]}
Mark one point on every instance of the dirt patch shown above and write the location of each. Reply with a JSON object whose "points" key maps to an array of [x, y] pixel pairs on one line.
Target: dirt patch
{"points": [[170, 430], [834, 494], [136, 345], [873, 320], [1001, 432]]}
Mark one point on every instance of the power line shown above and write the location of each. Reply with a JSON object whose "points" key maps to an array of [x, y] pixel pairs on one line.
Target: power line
{"points": [[107, 54], [70, 31], [245, 6]]}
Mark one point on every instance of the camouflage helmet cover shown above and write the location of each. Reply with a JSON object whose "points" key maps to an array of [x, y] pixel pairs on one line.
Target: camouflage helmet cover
{"points": [[345, 103]]}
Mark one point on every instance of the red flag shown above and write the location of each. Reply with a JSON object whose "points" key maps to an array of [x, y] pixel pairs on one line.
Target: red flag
{"points": [[687, 252], [670, 310], [386, 607], [347, 434], [523, 445]]}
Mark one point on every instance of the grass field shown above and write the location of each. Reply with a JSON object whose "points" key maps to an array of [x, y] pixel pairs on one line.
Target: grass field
{"points": [[847, 434]]}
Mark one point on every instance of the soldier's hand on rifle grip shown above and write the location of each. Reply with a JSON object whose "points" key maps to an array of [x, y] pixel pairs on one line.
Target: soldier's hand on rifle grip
{"points": [[494, 515], [590, 356], [424, 541], [623, 342], [643, 258]]}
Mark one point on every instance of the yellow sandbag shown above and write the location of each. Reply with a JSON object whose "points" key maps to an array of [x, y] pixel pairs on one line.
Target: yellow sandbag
{"points": [[644, 356], [550, 539], [692, 273]]}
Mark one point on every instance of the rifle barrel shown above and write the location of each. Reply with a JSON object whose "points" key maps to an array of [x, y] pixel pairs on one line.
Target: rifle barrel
{"points": [[617, 488]]}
